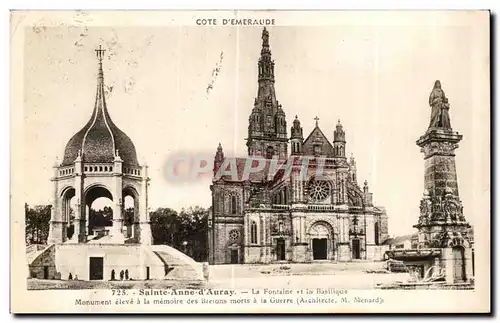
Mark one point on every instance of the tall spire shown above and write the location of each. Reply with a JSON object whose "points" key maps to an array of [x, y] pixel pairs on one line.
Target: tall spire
{"points": [[100, 117], [265, 43], [267, 133], [266, 64], [100, 140], [100, 74], [100, 99]]}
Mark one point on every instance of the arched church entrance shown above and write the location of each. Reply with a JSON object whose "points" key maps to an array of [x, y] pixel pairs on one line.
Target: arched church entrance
{"points": [[98, 211], [458, 253], [321, 240]]}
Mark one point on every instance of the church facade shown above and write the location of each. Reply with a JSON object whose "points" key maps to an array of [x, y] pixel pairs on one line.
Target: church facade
{"points": [[301, 206]]}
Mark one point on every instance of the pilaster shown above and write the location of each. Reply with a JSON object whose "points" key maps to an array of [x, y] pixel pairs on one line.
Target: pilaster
{"points": [[145, 236]]}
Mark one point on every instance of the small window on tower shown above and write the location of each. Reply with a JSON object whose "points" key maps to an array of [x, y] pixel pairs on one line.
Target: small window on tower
{"points": [[233, 204], [253, 232]]}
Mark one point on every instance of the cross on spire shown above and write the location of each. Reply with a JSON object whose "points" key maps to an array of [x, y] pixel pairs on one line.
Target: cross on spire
{"points": [[100, 53], [317, 119]]}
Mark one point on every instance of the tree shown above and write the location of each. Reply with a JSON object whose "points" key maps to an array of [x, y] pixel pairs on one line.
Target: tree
{"points": [[101, 218], [193, 232], [164, 225], [186, 231], [128, 216], [37, 223]]}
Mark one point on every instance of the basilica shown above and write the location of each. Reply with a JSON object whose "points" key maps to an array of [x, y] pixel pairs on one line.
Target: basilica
{"points": [[316, 211]]}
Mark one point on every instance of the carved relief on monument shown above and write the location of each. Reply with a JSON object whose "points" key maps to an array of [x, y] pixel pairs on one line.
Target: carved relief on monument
{"points": [[437, 208], [281, 225], [448, 239], [439, 148], [425, 209], [452, 208]]}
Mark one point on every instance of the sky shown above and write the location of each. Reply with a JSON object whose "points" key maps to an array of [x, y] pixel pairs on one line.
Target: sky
{"points": [[373, 75]]}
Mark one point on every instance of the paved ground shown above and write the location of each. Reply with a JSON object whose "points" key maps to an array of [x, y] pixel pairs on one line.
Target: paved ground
{"points": [[361, 275], [356, 275]]}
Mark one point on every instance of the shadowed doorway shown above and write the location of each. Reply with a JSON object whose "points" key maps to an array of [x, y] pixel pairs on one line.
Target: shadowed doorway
{"points": [[319, 249]]}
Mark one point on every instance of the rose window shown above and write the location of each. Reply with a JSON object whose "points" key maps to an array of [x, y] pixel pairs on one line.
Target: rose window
{"points": [[319, 190], [234, 235]]}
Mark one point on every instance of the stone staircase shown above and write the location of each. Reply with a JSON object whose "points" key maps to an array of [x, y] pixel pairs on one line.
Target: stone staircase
{"points": [[178, 265], [33, 251]]}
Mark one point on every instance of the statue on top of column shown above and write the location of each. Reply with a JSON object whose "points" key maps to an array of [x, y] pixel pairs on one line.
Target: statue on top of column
{"points": [[440, 106]]}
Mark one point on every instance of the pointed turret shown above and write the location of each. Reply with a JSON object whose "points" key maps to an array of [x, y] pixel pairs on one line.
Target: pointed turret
{"points": [[368, 196], [218, 159], [297, 137], [352, 169], [339, 141]]}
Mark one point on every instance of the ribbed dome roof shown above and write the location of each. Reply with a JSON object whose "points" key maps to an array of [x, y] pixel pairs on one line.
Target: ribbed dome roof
{"points": [[100, 139]]}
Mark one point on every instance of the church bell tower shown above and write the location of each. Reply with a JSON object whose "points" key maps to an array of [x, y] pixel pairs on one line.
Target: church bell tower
{"points": [[267, 134]]}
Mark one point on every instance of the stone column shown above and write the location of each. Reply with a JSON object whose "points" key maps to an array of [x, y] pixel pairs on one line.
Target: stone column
{"points": [[246, 236], [116, 233], [145, 236], [468, 263], [448, 264], [267, 238], [246, 225], [56, 234], [79, 221]]}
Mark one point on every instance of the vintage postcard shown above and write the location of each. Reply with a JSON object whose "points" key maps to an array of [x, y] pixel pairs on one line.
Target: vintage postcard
{"points": [[250, 162]]}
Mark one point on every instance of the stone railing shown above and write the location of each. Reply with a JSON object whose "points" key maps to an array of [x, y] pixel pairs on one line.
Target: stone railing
{"points": [[66, 171], [280, 206], [131, 170], [321, 207], [97, 168]]}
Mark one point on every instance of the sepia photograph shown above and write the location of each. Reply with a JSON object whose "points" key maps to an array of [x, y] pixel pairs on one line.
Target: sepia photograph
{"points": [[250, 161]]}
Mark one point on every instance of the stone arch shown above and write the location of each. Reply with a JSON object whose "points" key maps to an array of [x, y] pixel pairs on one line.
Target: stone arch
{"points": [[320, 228], [65, 197], [130, 220], [321, 240], [64, 189], [98, 186], [355, 197], [324, 177], [457, 241], [91, 193]]}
